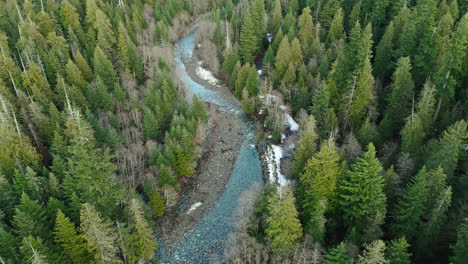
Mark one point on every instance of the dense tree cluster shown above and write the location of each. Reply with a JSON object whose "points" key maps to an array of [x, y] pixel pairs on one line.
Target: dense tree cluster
{"points": [[76, 108], [386, 77]]}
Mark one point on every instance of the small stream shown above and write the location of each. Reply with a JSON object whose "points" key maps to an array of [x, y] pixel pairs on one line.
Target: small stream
{"points": [[205, 242]]}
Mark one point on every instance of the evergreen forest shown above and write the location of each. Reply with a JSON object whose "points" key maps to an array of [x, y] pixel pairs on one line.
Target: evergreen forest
{"points": [[98, 140]]}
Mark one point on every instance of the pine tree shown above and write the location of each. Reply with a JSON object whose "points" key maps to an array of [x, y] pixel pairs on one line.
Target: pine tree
{"points": [[318, 186], [105, 33], [283, 58], [289, 77], [306, 26], [383, 53], [460, 249], [157, 203], [446, 151], [74, 76], [399, 105], [99, 235], [283, 226], [84, 67], [306, 147], [373, 254], [329, 9], [451, 62], [397, 251], [34, 251], [337, 255], [252, 83], [248, 39], [122, 46], [103, 97], [142, 241], [104, 69], [418, 125], [410, 208], [74, 247], [277, 17], [361, 196], [296, 53], [29, 218], [363, 94], [320, 102], [336, 30]]}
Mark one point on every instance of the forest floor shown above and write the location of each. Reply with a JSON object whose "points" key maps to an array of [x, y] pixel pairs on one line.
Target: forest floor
{"points": [[202, 191]]}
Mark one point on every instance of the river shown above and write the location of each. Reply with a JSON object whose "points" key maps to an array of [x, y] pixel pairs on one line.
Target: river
{"points": [[205, 243]]}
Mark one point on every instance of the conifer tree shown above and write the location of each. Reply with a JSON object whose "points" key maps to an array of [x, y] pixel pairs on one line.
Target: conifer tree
{"points": [[328, 11], [306, 26], [283, 226], [410, 208], [142, 241], [74, 247], [361, 196], [399, 104], [29, 219], [363, 94], [99, 235], [248, 39], [460, 249], [156, 202], [397, 251], [447, 149], [84, 67], [318, 186], [122, 46], [252, 83], [306, 147], [373, 253], [320, 102], [336, 30], [105, 33], [383, 53], [277, 17], [337, 255], [34, 251], [74, 76], [451, 62], [104, 69]]}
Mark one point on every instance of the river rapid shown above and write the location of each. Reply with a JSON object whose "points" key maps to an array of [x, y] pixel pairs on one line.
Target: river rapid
{"points": [[205, 243]]}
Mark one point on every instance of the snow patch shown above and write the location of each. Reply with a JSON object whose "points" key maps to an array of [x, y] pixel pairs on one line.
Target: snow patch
{"points": [[206, 74], [269, 37], [292, 124], [193, 207], [259, 72], [273, 158]]}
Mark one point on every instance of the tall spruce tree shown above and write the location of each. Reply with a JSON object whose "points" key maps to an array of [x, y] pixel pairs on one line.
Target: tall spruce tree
{"points": [[361, 196]]}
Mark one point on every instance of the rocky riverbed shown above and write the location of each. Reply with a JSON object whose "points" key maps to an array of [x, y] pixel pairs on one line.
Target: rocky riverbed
{"points": [[196, 229]]}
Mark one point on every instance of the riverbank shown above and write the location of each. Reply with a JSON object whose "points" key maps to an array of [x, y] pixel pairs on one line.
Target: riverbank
{"points": [[226, 138]]}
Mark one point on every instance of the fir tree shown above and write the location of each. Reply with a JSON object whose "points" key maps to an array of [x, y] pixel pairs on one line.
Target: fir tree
{"points": [[336, 30], [318, 185], [84, 67], [397, 251], [446, 151], [363, 94], [373, 253], [306, 147], [460, 249], [361, 196], [383, 53], [248, 39], [99, 235], [104, 69], [337, 255], [142, 241], [157, 203], [277, 17], [74, 247], [283, 226]]}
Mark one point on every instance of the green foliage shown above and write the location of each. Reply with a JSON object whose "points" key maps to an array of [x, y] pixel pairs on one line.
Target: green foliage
{"points": [[104, 69], [397, 251], [373, 253], [283, 226], [306, 147], [157, 204], [337, 255], [142, 242], [361, 196], [460, 249], [100, 236], [73, 245]]}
